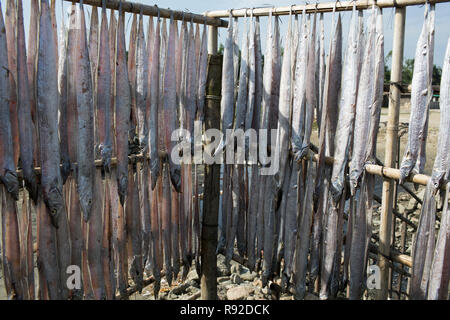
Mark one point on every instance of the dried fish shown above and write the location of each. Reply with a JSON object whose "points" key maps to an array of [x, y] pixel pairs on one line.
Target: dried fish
{"points": [[420, 99]]}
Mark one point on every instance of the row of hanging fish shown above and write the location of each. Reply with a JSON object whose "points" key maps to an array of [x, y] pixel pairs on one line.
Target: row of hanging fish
{"points": [[75, 98], [430, 271], [311, 223]]}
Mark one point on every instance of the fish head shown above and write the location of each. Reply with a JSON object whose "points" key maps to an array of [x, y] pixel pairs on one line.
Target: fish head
{"points": [[55, 203], [122, 188], [11, 182]]}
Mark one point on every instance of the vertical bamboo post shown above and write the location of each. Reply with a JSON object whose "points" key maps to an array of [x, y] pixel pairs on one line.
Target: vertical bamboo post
{"points": [[391, 149], [208, 280]]}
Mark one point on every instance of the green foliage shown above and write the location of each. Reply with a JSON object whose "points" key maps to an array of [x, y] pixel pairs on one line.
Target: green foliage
{"points": [[437, 73], [387, 71], [407, 71]]}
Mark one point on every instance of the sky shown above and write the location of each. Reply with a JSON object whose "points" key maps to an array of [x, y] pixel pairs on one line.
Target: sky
{"points": [[414, 20]]}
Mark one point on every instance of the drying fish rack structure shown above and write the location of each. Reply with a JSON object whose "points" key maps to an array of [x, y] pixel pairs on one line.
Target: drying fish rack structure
{"points": [[387, 255]]}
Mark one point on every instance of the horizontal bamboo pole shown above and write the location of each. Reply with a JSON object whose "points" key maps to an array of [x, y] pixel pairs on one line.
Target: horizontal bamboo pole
{"points": [[319, 7], [406, 88], [147, 10], [394, 174], [394, 254], [388, 173]]}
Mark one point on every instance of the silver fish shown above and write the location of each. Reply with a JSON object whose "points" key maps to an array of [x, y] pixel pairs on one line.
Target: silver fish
{"points": [[202, 74], [141, 86], [440, 271], [251, 62], [85, 111], [310, 89], [169, 107], [123, 109], [302, 243], [442, 162], [346, 116], [439, 274], [26, 126], [423, 246], [420, 99], [332, 84], [364, 104], [298, 108], [284, 113], [294, 211], [420, 164], [103, 100], [155, 165]]}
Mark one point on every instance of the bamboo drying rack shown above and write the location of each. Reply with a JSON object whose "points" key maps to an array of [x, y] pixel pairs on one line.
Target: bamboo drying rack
{"points": [[212, 116]]}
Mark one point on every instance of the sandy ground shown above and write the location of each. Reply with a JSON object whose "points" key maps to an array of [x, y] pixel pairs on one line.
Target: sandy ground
{"points": [[250, 281]]}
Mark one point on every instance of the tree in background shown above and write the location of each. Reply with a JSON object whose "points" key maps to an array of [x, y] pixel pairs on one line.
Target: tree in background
{"points": [[407, 71]]}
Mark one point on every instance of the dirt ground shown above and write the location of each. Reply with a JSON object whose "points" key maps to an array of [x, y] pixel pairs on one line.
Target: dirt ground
{"points": [[245, 284]]}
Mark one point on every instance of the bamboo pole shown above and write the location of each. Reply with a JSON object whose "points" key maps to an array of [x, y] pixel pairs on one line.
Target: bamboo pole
{"points": [[154, 11], [208, 278], [319, 7], [391, 150]]}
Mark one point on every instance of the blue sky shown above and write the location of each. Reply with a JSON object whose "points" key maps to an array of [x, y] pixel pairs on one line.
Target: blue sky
{"points": [[414, 20]]}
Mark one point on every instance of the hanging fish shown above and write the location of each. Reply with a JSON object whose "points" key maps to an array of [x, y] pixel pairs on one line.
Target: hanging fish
{"points": [[51, 180], [71, 112], [165, 222], [255, 178], [153, 112], [133, 230], [169, 108], [122, 109], [227, 117], [112, 57], [155, 227], [26, 126], [241, 103], [274, 183], [363, 107], [304, 226], [330, 93], [346, 116], [85, 111], [202, 74], [63, 99], [227, 101], [284, 114], [341, 145], [131, 60], [310, 91], [10, 184], [95, 236], [440, 275], [293, 199], [420, 164], [141, 85], [31, 57], [94, 43], [107, 253], [420, 99], [320, 75], [299, 101], [10, 25], [103, 101], [191, 84], [427, 281]]}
